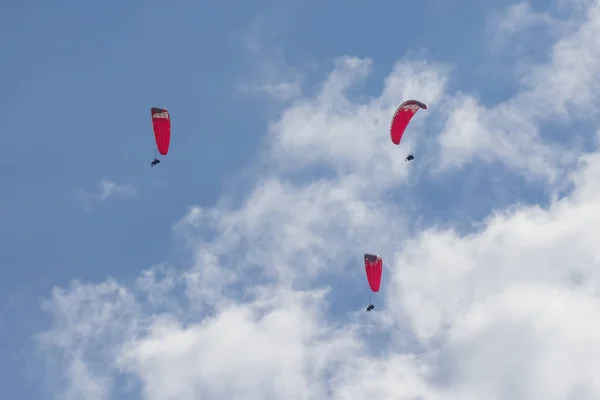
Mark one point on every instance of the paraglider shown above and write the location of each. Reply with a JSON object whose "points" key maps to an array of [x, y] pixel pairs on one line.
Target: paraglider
{"points": [[373, 270], [409, 157], [402, 117], [161, 126]]}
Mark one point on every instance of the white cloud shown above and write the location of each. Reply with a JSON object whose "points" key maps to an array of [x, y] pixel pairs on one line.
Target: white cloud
{"points": [[509, 311], [108, 189], [272, 74], [565, 87], [508, 27], [346, 136]]}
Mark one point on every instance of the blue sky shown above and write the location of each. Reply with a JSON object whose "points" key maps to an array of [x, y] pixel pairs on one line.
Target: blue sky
{"points": [[125, 281]]}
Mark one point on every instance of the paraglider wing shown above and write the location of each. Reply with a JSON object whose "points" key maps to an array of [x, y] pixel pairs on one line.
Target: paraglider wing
{"points": [[373, 269], [161, 125], [402, 117]]}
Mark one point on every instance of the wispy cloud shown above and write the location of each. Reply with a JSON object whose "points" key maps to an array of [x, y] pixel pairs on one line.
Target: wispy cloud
{"points": [[270, 73], [565, 87], [107, 189], [516, 23]]}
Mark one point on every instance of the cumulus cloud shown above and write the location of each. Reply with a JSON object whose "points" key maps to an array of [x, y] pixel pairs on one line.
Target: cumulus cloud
{"points": [[508, 310], [107, 189]]}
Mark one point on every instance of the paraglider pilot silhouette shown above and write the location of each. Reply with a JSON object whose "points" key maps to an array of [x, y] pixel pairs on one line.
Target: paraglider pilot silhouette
{"points": [[409, 157]]}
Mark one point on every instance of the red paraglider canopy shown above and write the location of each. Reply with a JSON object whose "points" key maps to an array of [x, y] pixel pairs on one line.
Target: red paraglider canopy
{"points": [[373, 268], [161, 125], [402, 117]]}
